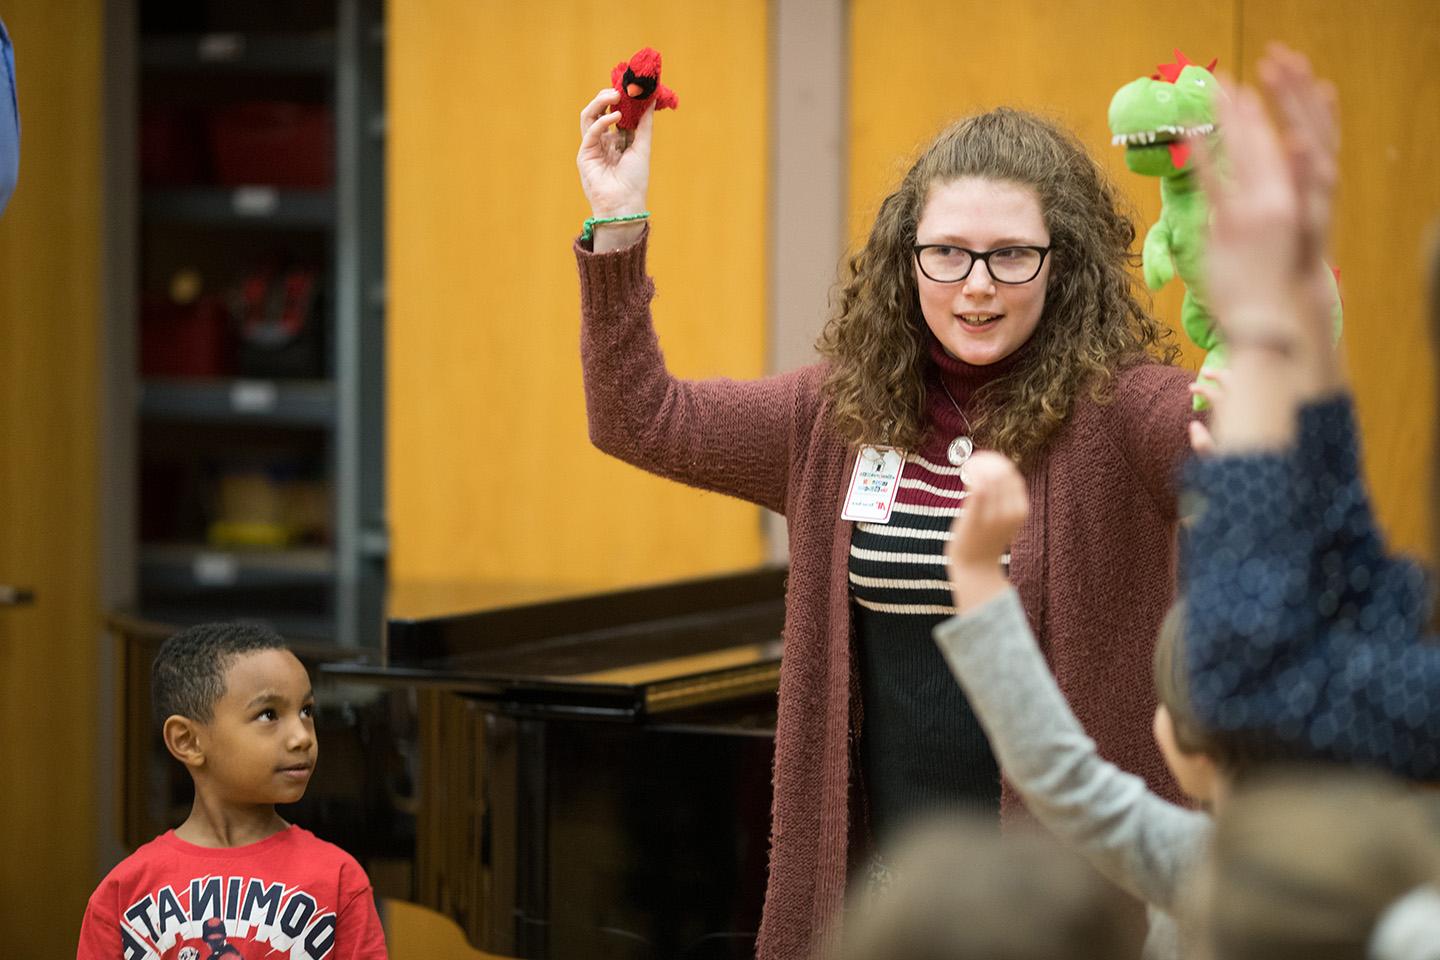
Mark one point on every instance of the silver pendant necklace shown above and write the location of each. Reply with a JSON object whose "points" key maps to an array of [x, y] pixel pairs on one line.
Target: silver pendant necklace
{"points": [[962, 446]]}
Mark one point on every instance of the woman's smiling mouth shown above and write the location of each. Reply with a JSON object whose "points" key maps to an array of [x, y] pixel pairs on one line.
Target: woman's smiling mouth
{"points": [[978, 319]]}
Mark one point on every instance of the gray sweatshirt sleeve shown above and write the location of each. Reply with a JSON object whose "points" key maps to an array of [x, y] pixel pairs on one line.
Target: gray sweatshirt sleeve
{"points": [[1145, 844]]}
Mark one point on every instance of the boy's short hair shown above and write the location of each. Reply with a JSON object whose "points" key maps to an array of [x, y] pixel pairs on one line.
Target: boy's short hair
{"points": [[1172, 686], [188, 676]]}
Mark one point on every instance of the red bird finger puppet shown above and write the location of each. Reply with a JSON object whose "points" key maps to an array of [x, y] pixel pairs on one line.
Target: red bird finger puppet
{"points": [[638, 80]]}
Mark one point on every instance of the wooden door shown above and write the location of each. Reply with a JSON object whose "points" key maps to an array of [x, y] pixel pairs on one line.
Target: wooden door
{"points": [[482, 352], [1387, 214], [49, 306]]}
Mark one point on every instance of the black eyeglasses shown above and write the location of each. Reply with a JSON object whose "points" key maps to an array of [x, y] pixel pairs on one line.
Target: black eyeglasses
{"points": [[946, 263]]}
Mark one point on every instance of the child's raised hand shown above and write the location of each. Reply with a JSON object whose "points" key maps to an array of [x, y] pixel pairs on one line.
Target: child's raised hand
{"points": [[1257, 231], [1270, 210], [1309, 111], [996, 505]]}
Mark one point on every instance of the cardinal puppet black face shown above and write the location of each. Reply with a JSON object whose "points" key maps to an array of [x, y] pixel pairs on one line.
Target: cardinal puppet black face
{"points": [[641, 86]]}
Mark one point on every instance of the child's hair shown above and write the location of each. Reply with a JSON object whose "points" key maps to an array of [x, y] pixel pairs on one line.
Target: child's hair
{"points": [[188, 676], [958, 890], [1311, 863], [1172, 687]]}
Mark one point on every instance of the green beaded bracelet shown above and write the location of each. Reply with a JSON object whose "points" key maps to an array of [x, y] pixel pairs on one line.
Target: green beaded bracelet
{"points": [[592, 222]]}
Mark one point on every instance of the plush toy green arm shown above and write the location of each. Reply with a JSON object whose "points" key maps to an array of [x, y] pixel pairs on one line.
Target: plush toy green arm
{"points": [[1155, 257]]}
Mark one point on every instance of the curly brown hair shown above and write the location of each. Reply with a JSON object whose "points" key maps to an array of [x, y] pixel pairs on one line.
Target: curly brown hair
{"points": [[1093, 322]]}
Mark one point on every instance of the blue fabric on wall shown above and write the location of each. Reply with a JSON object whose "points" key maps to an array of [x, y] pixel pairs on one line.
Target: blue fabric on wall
{"points": [[9, 120]]}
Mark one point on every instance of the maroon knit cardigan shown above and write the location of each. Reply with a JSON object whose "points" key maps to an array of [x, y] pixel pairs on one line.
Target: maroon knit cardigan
{"points": [[1094, 564]]}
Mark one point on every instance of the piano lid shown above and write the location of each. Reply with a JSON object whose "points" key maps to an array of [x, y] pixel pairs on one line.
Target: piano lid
{"points": [[624, 653]]}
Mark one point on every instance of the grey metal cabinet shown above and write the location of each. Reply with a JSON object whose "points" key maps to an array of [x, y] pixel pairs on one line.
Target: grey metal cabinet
{"points": [[252, 253]]}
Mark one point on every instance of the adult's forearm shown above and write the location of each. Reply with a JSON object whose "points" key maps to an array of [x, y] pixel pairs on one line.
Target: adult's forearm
{"points": [[617, 236], [730, 436]]}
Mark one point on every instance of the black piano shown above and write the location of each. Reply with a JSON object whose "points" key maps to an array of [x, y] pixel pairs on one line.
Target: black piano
{"points": [[591, 776]]}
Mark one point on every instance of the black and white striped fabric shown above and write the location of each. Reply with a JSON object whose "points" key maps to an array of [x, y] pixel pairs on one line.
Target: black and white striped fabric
{"points": [[899, 567], [922, 747]]}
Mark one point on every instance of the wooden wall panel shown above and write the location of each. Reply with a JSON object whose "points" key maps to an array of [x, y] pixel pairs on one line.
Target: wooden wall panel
{"points": [[919, 64], [490, 472], [1380, 56], [50, 255]]}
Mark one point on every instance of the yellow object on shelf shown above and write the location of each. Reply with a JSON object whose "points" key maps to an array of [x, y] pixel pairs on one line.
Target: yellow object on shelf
{"points": [[253, 534]]}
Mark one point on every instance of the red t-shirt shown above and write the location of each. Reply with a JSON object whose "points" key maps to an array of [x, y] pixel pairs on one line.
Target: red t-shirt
{"points": [[292, 896]]}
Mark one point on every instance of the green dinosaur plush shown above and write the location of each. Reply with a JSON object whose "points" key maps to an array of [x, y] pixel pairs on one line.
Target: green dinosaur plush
{"points": [[1152, 117]]}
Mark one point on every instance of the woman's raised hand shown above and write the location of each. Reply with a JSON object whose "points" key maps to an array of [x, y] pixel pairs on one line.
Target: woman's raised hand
{"points": [[615, 177]]}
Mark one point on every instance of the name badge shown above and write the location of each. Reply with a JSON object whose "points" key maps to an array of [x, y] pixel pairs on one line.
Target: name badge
{"points": [[874, 484]]}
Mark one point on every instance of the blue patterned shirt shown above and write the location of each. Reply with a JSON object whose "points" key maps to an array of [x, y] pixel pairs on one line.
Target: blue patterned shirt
{"points": [[1302, 629], [9, 120]]}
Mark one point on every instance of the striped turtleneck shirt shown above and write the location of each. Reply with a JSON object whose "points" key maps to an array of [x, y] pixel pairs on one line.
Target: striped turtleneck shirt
{"points": [[922, 748]]}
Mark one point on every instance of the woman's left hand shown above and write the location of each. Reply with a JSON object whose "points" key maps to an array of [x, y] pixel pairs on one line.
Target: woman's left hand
{"points": [[1212, 389]]}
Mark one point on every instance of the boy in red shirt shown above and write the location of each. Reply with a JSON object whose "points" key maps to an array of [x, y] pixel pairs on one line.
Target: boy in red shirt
{"points": [[235, 880]]}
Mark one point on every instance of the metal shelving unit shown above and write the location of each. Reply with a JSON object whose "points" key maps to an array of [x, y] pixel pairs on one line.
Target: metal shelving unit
{"points": [[333, 590], [299, 403], [180, 567], [231, 51], [258, 206]]}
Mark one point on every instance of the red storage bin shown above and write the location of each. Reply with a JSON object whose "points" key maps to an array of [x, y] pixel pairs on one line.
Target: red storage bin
{"points": [[172, 147], [191, 340], [273, 143]]}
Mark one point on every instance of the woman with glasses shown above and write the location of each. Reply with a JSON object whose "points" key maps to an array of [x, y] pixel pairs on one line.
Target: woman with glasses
{"points": [[992, 305]]}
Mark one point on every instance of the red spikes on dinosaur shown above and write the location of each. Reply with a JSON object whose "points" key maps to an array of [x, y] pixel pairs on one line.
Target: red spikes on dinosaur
{"points": [[638, 80], [1170, 72]]}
